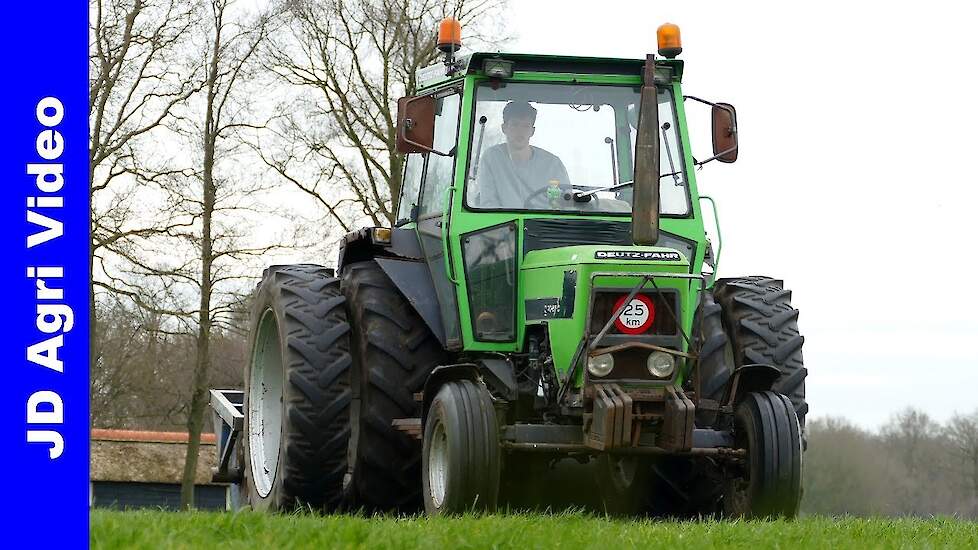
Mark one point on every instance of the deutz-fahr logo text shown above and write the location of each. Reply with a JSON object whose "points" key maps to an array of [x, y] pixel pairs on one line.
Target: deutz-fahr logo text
{"points": [[657, 256]]}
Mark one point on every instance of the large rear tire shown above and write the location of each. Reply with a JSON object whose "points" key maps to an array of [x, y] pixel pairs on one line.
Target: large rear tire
{"points": [[763, 328], [460, 471], [716, 361], [297, 391], [768, 484], [393, 354]]}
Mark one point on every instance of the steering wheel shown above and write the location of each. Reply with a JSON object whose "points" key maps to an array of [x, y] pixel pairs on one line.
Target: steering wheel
{"points": [[566, 194], [528, 200]]}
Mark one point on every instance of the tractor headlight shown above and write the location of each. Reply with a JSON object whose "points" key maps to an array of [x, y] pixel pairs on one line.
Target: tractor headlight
{"points": [[661, 364], [601, 365]]}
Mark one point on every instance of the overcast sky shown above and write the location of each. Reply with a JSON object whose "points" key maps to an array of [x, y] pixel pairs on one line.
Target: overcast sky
{"points": [[855, 182]]}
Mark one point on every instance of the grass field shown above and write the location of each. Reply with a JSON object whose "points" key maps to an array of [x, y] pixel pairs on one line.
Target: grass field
{"points": [[248, 530]]}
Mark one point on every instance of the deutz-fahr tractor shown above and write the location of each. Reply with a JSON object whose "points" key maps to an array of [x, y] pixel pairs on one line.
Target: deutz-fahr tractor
{"points": [[547, 295]]}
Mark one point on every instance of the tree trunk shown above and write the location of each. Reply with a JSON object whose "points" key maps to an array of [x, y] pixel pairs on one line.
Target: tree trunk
{"points": [[974, 483], [198, 402], [93, 352]]}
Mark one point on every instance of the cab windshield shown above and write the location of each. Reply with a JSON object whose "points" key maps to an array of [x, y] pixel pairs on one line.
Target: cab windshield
{"points": [[548, 147]]}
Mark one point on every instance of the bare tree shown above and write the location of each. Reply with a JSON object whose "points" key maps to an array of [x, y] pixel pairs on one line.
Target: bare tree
{"points": [[847, 471], [140, 378], [349, 62], [908, 433], [962, 431], [233, 41], [919, 444], [138, 77], [168, 72]]}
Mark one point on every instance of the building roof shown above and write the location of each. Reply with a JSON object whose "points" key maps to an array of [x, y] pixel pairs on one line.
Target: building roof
{"points": [[147, 456]]}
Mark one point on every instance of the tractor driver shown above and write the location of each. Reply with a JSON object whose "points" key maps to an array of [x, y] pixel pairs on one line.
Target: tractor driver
{"points": [[515, 174]]}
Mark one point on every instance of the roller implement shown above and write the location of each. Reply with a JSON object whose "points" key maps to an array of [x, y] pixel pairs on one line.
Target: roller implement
{"points": [[546, 298]]}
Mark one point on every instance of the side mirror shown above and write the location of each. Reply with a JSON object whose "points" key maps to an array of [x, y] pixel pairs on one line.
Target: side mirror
{"points": [[724, 132], [415, 124]]}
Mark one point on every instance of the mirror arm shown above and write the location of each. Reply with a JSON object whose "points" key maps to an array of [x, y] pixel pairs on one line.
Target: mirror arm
{"points": [[733, 129], [694, 98], [716, 156], [724, 107], [710, 103]]}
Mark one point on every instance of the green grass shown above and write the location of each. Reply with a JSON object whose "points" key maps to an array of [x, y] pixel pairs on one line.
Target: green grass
{"points": [[145, 529]]}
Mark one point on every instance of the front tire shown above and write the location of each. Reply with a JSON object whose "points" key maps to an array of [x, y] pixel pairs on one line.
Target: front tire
{"points": [[460, 461], [768, 484]]}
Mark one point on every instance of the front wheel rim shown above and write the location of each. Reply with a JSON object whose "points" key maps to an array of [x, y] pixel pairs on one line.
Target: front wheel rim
{"points": [[739, 482], [438, 464], [265, 395]]}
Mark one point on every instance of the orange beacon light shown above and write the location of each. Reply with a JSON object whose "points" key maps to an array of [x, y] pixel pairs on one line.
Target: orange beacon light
{"points": [[449, 34], [670, 45]]}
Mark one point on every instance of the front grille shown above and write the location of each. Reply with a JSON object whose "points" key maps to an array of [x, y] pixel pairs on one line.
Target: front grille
{"points": [[663, 324]]}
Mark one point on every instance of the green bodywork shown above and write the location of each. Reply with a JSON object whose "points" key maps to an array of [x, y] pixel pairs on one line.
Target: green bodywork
{"points": [[541, 272]]}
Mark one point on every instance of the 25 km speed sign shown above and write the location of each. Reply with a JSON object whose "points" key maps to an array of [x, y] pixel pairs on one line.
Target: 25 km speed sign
{"points": [[637, 316]]}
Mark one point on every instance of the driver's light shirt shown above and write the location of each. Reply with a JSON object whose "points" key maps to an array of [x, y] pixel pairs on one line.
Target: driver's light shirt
{"points": [[505, 183]]}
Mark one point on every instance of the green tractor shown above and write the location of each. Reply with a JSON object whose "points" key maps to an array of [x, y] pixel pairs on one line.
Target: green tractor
{"points": [[547, 295]]}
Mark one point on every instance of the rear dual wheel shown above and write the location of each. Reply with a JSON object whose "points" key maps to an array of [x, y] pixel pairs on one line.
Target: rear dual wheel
{"points": [[393, 353], [762, 327], [333, 364], [297, 391]]}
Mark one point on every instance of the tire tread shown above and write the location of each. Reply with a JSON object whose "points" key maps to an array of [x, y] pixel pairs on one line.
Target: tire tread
{"points": [[393, 353], [763, 328], [310, 308]]}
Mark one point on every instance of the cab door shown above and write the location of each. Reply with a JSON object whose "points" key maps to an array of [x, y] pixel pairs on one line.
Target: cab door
{"points": [[434, 211]]}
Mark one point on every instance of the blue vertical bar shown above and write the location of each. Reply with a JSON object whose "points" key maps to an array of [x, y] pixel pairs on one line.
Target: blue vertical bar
{"points": [[44, 435]]}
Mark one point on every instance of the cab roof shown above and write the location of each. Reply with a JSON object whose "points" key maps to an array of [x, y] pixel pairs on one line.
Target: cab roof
{"points": [[471, 63]]}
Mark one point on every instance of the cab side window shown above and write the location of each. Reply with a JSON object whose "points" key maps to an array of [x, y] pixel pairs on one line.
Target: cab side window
{"points": [[410, 186], [440, 169]]}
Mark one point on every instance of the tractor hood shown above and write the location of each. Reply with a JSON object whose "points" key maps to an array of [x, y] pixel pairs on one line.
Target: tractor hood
{"points": [[558, 283]]}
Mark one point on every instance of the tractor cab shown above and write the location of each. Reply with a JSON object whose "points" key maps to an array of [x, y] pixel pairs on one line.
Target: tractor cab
{"points": [[526, 176]]}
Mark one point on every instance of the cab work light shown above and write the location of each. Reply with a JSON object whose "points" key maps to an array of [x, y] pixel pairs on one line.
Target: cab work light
{"points": [[498, 68]]}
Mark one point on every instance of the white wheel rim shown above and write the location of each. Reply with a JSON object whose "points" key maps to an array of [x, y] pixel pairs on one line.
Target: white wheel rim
{"points": [[438, 464], [265, 396]]}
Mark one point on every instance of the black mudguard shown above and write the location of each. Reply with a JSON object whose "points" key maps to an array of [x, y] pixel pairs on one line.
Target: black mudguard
{"points": [[750, 378], [413, 279], [402, 260], [496, 374]]}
